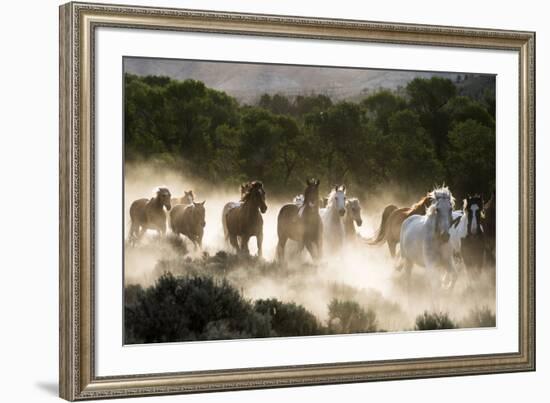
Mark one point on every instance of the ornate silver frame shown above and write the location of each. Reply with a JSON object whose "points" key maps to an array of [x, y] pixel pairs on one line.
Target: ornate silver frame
{"points": [[78, 22]]}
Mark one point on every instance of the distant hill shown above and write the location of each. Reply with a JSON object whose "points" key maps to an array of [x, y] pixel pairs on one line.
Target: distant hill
{"points": [[247, 82]]}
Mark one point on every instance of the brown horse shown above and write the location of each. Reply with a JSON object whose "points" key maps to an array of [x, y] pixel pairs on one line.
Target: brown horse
{"points": [[187, 198], [302, 224], [189, 221], [392, 218], [243, 220], [149, 214]]}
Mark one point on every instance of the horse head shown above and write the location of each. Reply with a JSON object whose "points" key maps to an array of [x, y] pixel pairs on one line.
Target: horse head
{"points": [[254, 192], [353, 208], [473, 208], [188, 197], [199, 212], [162, 195], [442, 208], [337, 199], [311, 193]]}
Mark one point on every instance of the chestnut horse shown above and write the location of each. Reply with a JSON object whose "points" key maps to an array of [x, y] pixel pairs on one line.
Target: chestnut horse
{"points": [[392, 218], [187, 198], [189, 220], [301, 223], [149, 214], [243, 220]]}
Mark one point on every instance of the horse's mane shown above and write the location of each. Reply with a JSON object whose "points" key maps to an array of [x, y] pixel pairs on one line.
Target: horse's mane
{"points": [[249, 187], [160, 189], [442, 192], [416, 207]]}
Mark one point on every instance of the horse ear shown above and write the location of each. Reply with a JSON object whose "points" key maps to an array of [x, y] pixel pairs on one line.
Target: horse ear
{"points": [[343, 188], [202, 204], [317, 182]]}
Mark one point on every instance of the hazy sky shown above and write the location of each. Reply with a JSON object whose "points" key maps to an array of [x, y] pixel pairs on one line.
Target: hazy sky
{"points": [[246, 81]]}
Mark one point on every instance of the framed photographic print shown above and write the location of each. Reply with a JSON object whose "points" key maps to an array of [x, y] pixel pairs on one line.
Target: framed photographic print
{"points": [[254, 201]]}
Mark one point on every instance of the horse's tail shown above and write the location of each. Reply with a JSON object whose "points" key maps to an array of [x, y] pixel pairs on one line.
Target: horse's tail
{"points": [[380, 234]]}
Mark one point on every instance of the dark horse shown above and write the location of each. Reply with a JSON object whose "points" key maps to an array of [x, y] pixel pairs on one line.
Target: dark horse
{"points": [[301, 224], [189, 220], [473, 244], [392, 218], [149, 214], [243, 220], [490, 228]]}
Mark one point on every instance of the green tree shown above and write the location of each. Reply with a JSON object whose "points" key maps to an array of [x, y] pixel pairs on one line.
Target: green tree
{"points": [[471, 158], [463, 108], [414, 162], [428, 97], [381, 106]]}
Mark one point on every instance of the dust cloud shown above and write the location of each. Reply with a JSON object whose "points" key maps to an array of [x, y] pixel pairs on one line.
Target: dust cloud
{"points": [[361, 273]]}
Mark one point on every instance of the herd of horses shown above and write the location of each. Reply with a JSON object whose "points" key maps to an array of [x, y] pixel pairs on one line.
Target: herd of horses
{"points": [[431, 233]]}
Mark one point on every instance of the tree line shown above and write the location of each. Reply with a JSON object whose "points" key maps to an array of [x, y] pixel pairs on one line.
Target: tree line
{"points": [[430, 132]]}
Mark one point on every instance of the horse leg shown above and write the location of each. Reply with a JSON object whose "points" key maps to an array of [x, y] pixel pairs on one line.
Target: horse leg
{"points": [[281, 249], [259, 241], [310, 246], [391, 246], [142, 231], [233, 241], [199, 241], [132, 233], [244, 244]]}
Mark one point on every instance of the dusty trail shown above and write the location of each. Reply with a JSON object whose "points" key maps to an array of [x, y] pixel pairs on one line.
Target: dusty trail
{"points": [[360, 272]]}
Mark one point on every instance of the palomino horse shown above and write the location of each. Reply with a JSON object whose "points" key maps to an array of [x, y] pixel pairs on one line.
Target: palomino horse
{"points": [[301, 223], [332, 215], [352, 218], [187, 198], [243, 220], [425, 239], [189, 221], [149, 214], [392, 218]]}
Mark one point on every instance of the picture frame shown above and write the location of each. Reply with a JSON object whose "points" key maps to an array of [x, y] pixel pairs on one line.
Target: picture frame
{"points": [[79, 23]]}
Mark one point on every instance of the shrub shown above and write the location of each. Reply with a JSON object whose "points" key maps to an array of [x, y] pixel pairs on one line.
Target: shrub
{"points": [[434, 321], [288, 319], [191, 308], [349, 317], [479, 317]]}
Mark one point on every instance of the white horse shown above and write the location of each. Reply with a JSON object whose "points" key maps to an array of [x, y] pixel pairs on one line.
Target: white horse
{"points": [[332, 217], [425, 242]]}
